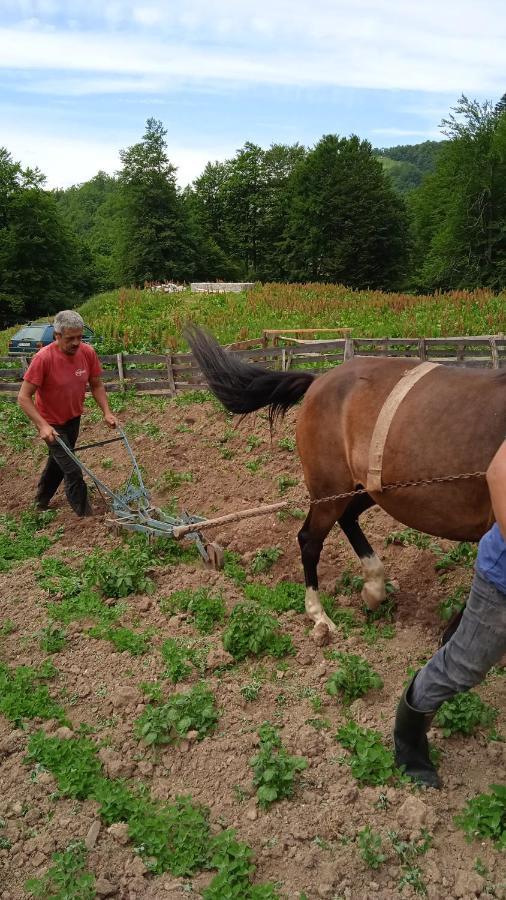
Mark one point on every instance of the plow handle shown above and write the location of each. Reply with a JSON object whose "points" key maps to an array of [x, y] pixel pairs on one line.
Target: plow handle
{"points": [[180, 530]]}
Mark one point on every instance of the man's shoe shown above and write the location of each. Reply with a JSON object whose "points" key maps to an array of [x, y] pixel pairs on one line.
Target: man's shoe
{"points": [[411, 744]]}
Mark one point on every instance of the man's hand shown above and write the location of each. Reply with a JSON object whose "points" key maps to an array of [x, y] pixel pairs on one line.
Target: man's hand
{"points": [[47, 433], [110, 420]]}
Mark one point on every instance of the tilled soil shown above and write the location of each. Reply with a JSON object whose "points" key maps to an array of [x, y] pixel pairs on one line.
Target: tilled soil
{"points": [[308, 844]]}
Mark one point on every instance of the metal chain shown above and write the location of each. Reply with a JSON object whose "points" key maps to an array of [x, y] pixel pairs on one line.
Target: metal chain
{"points": [[439, 479]]}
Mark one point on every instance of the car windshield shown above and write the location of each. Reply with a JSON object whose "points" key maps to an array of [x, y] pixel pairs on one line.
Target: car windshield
{"points": [[32, 333]]}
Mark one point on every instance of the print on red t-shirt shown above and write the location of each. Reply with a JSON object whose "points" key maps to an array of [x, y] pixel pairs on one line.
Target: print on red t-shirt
{"points": [[61, 381]]}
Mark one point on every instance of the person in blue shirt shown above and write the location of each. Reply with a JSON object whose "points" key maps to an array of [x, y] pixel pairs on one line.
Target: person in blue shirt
{"points": [[478, 643]]}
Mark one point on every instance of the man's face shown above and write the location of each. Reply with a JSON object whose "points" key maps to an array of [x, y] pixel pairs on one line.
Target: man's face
{"points": [[69, 340]]}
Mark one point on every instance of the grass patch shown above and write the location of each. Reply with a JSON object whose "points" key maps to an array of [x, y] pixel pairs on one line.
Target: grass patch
{"points": [[463, 714], [484, 816], [20, 538], [123, 639], [370, 761], [67, 879]]}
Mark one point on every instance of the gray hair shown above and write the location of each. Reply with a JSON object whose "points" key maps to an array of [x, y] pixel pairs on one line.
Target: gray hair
{"points": [[67, 318]]}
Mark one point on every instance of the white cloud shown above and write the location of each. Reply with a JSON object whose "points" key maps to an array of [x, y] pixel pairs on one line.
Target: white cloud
{"points": [[387, 44], [66, 160]]}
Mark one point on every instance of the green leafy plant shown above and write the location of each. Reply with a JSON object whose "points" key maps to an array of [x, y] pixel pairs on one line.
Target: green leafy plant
{"points": [[349, 584], [170, 479], [183, 712], [463, 554], [120, 572], [254, 465], [453, 604], [123, 639], [251, 691], [234, 861], [67, 879], [23, 695], [274, 770], [233, 569], [370, 761], [287, 443], [20, 538], [52, 639], [253, 442], [6, 628], [107, 462], [205, 608], [464, 713], [372, 633], [408, 536], [177, 660], [263, 560], [408, 851], [251, 630], [285, 482], [282, 597], [73, 762], [353, 678], [485, 816], [370, 845]]}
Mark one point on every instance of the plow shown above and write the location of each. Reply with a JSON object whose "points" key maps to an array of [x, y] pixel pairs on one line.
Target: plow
{"points": [[133, 510]]}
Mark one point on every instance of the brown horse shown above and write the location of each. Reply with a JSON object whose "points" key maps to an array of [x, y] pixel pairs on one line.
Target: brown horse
{"points": [[452, 421]]}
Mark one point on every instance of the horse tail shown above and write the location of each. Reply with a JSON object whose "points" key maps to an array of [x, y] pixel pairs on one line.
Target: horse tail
{"points": [[242, 387]]}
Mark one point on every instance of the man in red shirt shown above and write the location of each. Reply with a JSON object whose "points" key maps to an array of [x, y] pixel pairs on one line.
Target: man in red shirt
{"points": [[57, 376]]}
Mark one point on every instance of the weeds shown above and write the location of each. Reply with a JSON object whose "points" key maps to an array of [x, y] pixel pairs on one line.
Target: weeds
{"points": [[349, 584], [123, 639], [250, 630], [285, 482], [184, 712], [206, 609], [353, 678], [287, 443], [23, 695], [371, 847], [485, 816], [233, 569], [170, 479], [20, 539], [177, 659], [67, 879], [52, 639], [408, 536], [274, 770], [251, 691], [408, 851], [282, 597], [264, 560]]}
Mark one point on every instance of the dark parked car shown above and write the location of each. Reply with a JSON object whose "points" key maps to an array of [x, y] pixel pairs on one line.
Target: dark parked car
{"points": [[32, 337]]}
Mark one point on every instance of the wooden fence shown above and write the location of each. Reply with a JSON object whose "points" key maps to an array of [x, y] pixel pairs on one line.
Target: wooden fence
{"points": [[169, 373]]}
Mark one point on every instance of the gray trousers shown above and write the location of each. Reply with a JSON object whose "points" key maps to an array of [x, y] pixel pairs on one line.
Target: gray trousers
{"points": [[478, 644]]}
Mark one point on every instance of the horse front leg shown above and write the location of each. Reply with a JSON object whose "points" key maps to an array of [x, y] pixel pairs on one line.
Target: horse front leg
{"points": [[316, 527], [373, 591]]}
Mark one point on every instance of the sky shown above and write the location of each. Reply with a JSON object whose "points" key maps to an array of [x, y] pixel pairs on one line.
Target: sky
{"points": [[79, 79]]}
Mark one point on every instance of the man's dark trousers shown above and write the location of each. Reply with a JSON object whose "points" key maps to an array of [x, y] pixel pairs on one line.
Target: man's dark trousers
{"points": [[60, 467]]}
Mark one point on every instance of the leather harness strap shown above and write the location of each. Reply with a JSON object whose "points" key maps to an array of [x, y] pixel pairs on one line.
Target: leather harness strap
{"points": [[384, 421]]}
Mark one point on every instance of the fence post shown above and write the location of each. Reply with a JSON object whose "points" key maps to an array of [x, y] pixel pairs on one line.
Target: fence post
{"points": [[349, 349], [422, 349], [121, 373], [170, 375], [494, 352]]}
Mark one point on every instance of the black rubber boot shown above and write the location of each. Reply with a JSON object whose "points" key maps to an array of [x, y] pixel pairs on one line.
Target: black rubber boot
{"points": [[411, 744]]}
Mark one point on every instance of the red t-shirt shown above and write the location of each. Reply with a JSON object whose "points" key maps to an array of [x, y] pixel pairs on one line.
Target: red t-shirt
{"points": [[61, 381]]}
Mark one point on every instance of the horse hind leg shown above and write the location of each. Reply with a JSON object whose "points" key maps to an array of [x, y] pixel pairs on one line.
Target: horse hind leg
{"points": [[315, 529], [373, 591]]}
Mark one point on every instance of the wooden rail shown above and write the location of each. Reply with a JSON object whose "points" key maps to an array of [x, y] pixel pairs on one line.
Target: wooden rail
{"points": [[167, 374]]}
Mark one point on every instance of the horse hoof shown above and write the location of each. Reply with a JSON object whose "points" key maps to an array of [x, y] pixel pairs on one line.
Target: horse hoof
{"points": [[321, 634], [373, 594]]}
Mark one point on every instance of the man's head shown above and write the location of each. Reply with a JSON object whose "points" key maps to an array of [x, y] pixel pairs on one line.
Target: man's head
{"points": [[68, 330]]}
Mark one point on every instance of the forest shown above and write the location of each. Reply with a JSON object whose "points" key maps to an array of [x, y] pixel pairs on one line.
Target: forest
{"points": [[419, 218]]}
